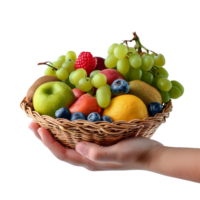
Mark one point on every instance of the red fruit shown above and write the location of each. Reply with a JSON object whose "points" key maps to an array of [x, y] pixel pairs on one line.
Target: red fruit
{"points": [[111, 75], [77, 93], [100, 64], [86, 104], [86, 61]]}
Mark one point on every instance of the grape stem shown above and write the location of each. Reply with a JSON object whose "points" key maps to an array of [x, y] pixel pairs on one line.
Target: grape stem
{"points": [[53, 68], [50, 65], [153, 71], [138, 46]]}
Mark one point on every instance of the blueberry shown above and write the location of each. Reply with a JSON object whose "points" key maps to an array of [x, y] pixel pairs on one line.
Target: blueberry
{"points": [[106, 118], [78, 115], [154, 108], [94, 117], [119, 87], [63, 113]]}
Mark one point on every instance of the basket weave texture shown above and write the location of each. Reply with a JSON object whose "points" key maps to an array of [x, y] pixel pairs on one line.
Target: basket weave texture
{"points": [[68, 133]]}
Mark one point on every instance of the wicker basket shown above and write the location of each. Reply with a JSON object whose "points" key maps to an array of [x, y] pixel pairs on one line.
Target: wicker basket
{"points": [[103, 133]]}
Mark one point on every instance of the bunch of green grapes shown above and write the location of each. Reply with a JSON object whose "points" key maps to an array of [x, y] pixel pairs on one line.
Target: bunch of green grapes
{"points": [[124, 58], [150, 68], [159, 80], [64, 65], [87, 84], [117, 57]]}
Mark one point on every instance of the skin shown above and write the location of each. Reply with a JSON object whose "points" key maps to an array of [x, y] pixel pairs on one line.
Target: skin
{"points": [[131, 156], [135, 154]]}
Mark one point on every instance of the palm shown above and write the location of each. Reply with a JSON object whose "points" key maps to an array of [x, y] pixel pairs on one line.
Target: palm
{"points": [[127, 154]]}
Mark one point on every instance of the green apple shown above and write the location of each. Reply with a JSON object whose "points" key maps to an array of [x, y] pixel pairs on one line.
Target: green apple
{"points": [[51, 96]]}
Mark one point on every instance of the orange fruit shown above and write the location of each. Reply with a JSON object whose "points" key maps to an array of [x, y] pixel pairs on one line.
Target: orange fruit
{"points": [[126, 107]]}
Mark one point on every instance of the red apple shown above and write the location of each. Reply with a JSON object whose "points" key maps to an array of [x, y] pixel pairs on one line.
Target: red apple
{"points": [[100, 64], [77, 93], [86, 104], [111, 75]]}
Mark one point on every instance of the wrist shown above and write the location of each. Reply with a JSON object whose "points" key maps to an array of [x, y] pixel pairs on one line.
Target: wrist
{"points": [[153, 153]]}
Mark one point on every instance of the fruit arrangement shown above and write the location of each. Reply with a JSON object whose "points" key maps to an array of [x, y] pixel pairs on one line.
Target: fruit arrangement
{"points": [[131, 84]]}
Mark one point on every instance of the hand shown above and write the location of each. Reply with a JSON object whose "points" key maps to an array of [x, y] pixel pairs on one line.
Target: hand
{"points": [[131, 153]]}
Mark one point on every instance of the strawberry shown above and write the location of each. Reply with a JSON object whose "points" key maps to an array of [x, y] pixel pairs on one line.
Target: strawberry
{"points": [[86, 61]]}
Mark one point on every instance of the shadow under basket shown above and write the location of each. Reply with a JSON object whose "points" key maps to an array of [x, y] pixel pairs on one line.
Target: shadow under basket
{"points": [[68, 133]]}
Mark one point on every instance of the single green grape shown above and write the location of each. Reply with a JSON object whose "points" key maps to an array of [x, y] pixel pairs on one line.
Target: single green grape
{"points": [[152, 55], [161, 76], [111, 61], [57, 64], [154, 83], [162, 71], [164, 84], [159, 60], [62, 74], [132, 50], [135, 60], [134, 74], [99, 80], [61, 58], [70, 78], [69, 65], [147, 77], [71, 55], [49, 72], [85, 84], [111, 48], [147, 62], [178, 85], [123, 65], [175, 93], [93, 73], [103, 96], [165, 96], [126, 76], [120, 51]]}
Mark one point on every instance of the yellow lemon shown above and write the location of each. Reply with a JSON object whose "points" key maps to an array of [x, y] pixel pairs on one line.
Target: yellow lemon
{"points": [[126, 107]]}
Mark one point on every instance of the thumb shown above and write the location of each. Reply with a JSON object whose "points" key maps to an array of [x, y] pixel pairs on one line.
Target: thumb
{"points": [[96, 153]]}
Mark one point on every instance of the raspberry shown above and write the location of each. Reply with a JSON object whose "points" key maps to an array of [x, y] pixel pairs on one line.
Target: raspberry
{"points": [[86, 61]]}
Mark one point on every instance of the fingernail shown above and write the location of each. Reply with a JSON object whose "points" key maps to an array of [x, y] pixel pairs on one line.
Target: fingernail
{"points": [[82, 148]]}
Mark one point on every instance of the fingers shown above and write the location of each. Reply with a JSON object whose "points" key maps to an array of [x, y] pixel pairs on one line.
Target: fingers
{"points": [[33, 127], [45, 138], [69, 155], [56, 148], [66, 155]]}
